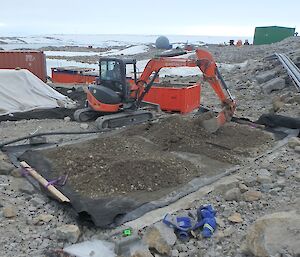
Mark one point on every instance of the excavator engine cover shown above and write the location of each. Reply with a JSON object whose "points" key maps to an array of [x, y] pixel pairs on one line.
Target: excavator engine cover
{"points": [[104, 94]]}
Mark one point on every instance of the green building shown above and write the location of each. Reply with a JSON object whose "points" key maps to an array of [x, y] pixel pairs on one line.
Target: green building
{"points": [[271, 34]]}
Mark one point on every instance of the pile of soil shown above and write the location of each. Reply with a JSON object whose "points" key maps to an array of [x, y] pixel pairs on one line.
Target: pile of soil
{"points": [[119, 165], [146, 158], [185, 134], [77, 95]]}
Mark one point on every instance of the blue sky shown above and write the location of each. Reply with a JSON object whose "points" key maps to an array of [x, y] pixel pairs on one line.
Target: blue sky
{"points": [[190, 17]]}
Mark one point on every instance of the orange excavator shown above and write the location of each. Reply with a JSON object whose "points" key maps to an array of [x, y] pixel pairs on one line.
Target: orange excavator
{"points": [[116, 100]]}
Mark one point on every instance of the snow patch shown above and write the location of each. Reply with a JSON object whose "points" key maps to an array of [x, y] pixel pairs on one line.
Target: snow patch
{"points": [[53, 63], [94, 248], [178, 71], [38, 41], [10, 41], [66, 53], [128, 51], [231, 66]]}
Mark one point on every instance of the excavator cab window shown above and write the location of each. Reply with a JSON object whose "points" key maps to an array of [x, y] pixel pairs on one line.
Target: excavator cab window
{"points": [[113, 75], [110, 70]]}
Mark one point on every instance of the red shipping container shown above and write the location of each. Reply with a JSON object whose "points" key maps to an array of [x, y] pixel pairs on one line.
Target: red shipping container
{"points": [[34, 61], [175, 99], [73, 75]]}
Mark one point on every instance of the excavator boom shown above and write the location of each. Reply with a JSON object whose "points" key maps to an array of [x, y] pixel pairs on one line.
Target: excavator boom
{"points": [[208, 67]]}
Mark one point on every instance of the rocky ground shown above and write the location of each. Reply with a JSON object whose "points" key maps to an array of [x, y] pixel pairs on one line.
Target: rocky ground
{"points": [[257, 211]]}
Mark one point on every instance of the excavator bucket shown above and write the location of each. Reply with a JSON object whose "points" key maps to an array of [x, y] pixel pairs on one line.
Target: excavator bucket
{"points": [[212, 74], [212, 123]]}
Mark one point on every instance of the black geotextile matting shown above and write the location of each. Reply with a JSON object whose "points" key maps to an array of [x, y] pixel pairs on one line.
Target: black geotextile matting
{"points": [[274, 120], [113, 211], [55, 113], [102, 212]]}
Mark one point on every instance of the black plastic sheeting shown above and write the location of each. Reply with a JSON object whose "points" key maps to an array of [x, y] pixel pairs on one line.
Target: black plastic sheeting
{"points": [[55, 113], [113, 211], [274, 120], [102, 212]]}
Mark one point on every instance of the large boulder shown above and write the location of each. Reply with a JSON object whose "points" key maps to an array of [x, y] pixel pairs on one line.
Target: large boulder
{"points": [[5, 166], [273, 85], [144, 252], [294, 99], [293, 142], [274, 233], [42, 219], [22, 185], [277, 103], [69, 233], [296, 176], [9, 212], [160, 237], [266, 76], [252, 195], [264, 176], [233, 194]]}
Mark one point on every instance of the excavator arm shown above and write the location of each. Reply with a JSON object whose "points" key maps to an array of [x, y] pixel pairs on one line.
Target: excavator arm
{"points": [[208, 67]]}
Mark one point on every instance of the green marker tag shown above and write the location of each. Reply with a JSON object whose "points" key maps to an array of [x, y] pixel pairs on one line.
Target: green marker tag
{"points": [[127, 232]]}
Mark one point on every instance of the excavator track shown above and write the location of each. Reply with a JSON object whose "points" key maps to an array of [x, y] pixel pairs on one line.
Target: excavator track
{"points": [[123, 119], [86, 114]]}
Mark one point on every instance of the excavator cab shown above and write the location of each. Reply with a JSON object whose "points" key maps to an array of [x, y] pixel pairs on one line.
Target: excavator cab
{"points": [[112, 75], [112, 91], [113, 99]]}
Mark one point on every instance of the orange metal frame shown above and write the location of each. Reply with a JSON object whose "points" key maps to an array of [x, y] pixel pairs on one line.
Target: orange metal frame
{"points": [[174, 99], [67, 78]]}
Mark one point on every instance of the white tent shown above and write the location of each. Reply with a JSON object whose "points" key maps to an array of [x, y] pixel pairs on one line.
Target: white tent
{"points": [[21, 91]]}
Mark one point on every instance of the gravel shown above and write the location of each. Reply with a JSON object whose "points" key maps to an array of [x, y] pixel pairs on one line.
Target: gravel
{"points": [[277, 190]]}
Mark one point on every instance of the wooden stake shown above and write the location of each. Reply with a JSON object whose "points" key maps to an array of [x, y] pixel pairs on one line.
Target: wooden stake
{"points": [[44, 182]]}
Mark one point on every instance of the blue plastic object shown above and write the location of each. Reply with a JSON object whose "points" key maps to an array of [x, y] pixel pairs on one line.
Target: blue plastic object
{"points": [[183, 225]]}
